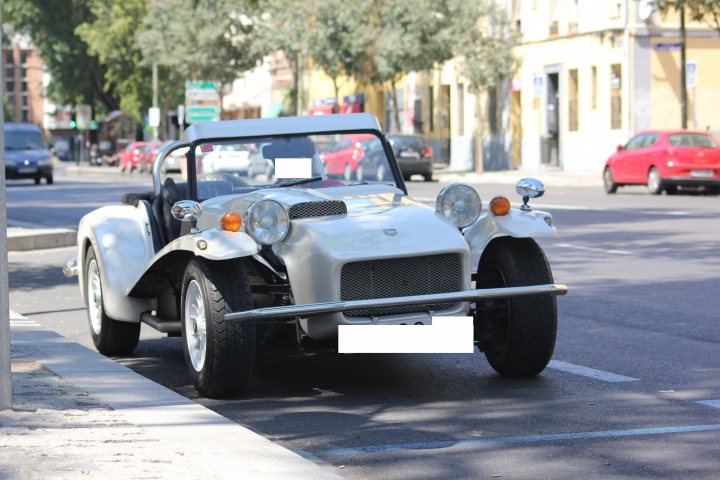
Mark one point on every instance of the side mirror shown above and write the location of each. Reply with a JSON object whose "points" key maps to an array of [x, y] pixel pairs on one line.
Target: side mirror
{"points": [[529, 188], [619, 148], [186, 211]]}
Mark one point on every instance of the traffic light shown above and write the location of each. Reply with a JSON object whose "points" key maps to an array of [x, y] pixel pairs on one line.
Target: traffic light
{"points": [[73, 124]]}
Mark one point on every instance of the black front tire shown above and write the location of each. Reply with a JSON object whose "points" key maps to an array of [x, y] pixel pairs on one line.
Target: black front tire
{"points": [[654, 182], [229, 346], [609, 181], [516, 334], [49, 180], [37, 180], [111, 337]]}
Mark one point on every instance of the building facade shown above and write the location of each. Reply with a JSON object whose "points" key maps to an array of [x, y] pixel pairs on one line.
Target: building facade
{"points": [[24, 82], [593, 73]]}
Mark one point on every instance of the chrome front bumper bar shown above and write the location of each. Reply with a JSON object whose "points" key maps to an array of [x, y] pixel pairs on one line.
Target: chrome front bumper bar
{"points": [[350, 305]]}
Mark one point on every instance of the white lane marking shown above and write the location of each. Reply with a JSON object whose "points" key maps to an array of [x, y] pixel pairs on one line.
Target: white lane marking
{"points": [[589, 372], [593, 249], [710, 403]]}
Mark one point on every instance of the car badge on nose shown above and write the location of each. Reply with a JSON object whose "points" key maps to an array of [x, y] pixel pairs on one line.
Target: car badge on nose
{"points": [[390, 231]]}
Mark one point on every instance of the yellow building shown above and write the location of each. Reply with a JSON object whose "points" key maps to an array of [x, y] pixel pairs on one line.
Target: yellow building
{"points": [[593, 73]]}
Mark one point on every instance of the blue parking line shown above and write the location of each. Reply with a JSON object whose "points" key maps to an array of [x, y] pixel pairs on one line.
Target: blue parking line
{"points": [[517, 440], [710, 403], [589, 372]]}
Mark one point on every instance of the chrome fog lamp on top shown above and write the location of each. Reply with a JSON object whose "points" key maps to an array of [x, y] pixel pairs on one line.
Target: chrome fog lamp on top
{"points": [[529, 188], [267, 222], [459, 203]]}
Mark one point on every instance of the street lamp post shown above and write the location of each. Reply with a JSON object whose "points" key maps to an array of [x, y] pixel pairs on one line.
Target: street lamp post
{"points": [[5, 368], [683, 62]]}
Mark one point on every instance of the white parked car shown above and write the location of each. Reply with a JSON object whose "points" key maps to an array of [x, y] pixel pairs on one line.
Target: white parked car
{"points": [[229, 158], [229, 263]]}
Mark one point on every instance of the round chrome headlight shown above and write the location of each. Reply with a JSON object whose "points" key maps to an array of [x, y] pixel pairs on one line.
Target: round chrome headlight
{"points": [[460, 204], [267, 222]]}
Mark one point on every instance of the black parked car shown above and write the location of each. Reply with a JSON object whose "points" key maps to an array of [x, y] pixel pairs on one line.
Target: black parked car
{"points": [[412, 154]]}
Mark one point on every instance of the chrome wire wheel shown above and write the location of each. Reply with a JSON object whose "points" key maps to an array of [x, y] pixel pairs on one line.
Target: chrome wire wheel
{"points": [[94, 289], [195, 325]]}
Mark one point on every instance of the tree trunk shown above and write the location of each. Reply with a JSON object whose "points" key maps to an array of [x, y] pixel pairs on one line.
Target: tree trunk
{"points": [[396, 110], [293, 63], [337, 92]]}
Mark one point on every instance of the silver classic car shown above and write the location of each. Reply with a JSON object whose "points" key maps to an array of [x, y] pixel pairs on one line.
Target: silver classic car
{"points": [[231, 263]]}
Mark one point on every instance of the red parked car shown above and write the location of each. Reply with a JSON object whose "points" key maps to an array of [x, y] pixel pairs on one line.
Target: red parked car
{"points": [[342, 161], [664, 160], [133, 156]]}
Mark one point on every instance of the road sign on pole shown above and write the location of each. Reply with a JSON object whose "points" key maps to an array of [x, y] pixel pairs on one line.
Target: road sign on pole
{"points": [[154, 117], [202, 102], [83, 116], [691, 74]]}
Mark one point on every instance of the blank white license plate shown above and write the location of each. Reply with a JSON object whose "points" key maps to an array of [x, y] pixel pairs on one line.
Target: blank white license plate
{"points": [[701, 173], [414, 155], [27, 170]]}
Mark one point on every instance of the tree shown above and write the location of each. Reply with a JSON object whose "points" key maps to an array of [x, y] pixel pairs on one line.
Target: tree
{"points": [[412, 36], [111, 37], [699, 10], [482, 38], [340, 38], [76, 75], [283, 25], [200, 39]]}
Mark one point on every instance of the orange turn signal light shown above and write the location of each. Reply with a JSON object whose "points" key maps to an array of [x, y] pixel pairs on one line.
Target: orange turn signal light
{"points": [[500, 206], [231, 222]]}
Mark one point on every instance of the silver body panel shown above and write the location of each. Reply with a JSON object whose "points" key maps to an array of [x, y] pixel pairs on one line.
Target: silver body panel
{"points": [[381, 223]]}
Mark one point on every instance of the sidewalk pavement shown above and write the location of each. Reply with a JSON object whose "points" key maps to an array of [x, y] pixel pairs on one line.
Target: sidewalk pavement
{"points": [[549, 177], [78, 414]]}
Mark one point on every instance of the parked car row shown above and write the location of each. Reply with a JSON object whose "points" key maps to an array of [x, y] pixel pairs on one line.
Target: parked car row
{"points": [[361, 157], [665, 160]]}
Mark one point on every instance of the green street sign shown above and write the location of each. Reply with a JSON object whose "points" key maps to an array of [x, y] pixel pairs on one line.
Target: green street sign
{"points": [[202, 102]]}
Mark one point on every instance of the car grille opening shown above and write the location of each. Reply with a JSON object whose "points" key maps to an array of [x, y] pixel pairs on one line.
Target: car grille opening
{"points": [[400, 277], [317, 209]]}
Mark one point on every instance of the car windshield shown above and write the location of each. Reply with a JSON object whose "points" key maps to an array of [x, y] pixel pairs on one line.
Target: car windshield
{"points": [[312, 161], [691, 140], [24, 141]]}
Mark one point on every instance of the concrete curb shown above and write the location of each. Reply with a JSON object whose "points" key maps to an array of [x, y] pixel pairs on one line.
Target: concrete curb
{"points": [[22, 239], [222, 448]]}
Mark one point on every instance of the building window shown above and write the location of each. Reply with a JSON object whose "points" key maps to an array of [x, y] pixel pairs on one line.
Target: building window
{"points": [[554, 17], [573, 100], [593, 87], [431, 110], [461, 109], [615, 96]]}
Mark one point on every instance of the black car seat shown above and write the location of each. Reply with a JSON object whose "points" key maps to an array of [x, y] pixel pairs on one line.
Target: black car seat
{"points": [[172, 192]]}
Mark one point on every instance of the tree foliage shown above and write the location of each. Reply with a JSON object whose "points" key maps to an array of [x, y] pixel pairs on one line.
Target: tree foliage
{"points": [[111, 36], [200, 39], [700, 10], [340, 39], [282, 25], [482, 38], [77, 75]]}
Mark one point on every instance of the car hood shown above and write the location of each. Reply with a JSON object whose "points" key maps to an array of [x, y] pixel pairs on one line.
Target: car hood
{"points": [[16, 157]]}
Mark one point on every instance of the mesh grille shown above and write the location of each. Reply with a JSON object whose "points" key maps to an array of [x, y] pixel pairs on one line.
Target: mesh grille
{"points": [[400, 277], [317, 209]]}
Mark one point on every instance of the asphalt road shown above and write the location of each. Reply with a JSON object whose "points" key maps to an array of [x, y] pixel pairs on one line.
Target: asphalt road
{"points": [[637, 350]]}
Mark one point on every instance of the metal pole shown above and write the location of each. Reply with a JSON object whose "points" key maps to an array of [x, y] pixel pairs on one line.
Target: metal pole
{"points": [[5, 371], [683, 61], [155, 95]]}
